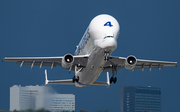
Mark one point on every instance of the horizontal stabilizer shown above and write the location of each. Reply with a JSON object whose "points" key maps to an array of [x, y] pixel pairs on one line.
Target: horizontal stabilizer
{"points": [[100, 83], [68, 81], [103, 83]]}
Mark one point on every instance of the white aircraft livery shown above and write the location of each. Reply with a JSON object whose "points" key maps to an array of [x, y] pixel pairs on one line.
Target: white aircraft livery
{"points": [[92, 56]]}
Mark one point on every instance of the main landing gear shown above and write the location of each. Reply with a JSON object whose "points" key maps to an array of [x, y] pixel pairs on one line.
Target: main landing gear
{"points": [[75, 78], [113, 79], [106, 58]]}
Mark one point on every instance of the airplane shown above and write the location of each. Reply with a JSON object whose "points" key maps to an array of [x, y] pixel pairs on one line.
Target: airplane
{"points": [[93, 56]]}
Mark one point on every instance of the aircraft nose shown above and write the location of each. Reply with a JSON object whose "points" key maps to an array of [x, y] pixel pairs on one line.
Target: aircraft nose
{"points": [[110, 42], [107, 43]]}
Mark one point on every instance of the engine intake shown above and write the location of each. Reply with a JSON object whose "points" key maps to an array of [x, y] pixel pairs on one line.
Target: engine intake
{"points": [[130, 62], [67, 61]]}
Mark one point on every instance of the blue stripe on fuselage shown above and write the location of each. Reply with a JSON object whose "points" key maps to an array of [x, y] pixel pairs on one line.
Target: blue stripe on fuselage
{"points": [[83, 42]]}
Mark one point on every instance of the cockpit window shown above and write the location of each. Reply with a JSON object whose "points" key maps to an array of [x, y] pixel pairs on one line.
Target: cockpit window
{"points": [[108, 37]]}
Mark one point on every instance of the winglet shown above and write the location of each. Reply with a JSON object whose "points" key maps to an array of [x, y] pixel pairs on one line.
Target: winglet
{"points": [[108, 83], [46, 80], [3, 59]]}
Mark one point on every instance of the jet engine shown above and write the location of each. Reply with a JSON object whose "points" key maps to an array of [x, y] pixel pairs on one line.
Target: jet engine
{"points": [[67, 61], [130, 62]]}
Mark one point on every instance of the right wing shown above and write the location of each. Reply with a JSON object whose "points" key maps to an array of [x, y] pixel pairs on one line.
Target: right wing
{"points": [[46, 61], [119, 62]]}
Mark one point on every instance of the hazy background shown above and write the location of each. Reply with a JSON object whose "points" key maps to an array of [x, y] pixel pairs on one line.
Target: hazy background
{"points": [[149, 30]]}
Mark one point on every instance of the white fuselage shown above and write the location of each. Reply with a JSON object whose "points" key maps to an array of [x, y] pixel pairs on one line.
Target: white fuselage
{"points": [[100, 37]]}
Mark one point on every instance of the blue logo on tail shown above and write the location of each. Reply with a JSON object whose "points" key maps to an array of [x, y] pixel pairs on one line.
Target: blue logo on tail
{"points": [[108, 24]]}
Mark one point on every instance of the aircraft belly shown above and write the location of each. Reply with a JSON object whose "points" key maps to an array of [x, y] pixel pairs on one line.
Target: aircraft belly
{"points": [[93, 69]]}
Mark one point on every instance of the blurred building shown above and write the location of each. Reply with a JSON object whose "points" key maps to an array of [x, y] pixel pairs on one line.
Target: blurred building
{"points": [[139, 99], [36, 97]]}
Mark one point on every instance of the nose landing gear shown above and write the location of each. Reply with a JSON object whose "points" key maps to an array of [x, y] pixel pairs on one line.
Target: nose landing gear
{"points": [[106, 55]]}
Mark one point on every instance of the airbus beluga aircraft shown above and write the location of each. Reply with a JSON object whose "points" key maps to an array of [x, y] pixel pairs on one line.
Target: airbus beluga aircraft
{"points": [[92, 56]]}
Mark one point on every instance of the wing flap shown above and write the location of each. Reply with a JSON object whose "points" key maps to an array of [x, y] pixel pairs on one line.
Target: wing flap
{"points": [[38, 63], [37, 59]]}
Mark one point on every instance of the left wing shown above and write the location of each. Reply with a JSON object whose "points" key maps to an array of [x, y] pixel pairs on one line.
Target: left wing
{"points": [[46, 61], [132, 63]]}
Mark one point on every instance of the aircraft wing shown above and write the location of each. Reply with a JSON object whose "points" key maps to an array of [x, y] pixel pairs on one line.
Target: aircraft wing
{"points": [[119, 62], [45, 61]]}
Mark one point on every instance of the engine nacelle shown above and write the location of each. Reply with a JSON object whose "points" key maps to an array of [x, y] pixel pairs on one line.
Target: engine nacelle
{"points": [[67, 61], [130, 62]]}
